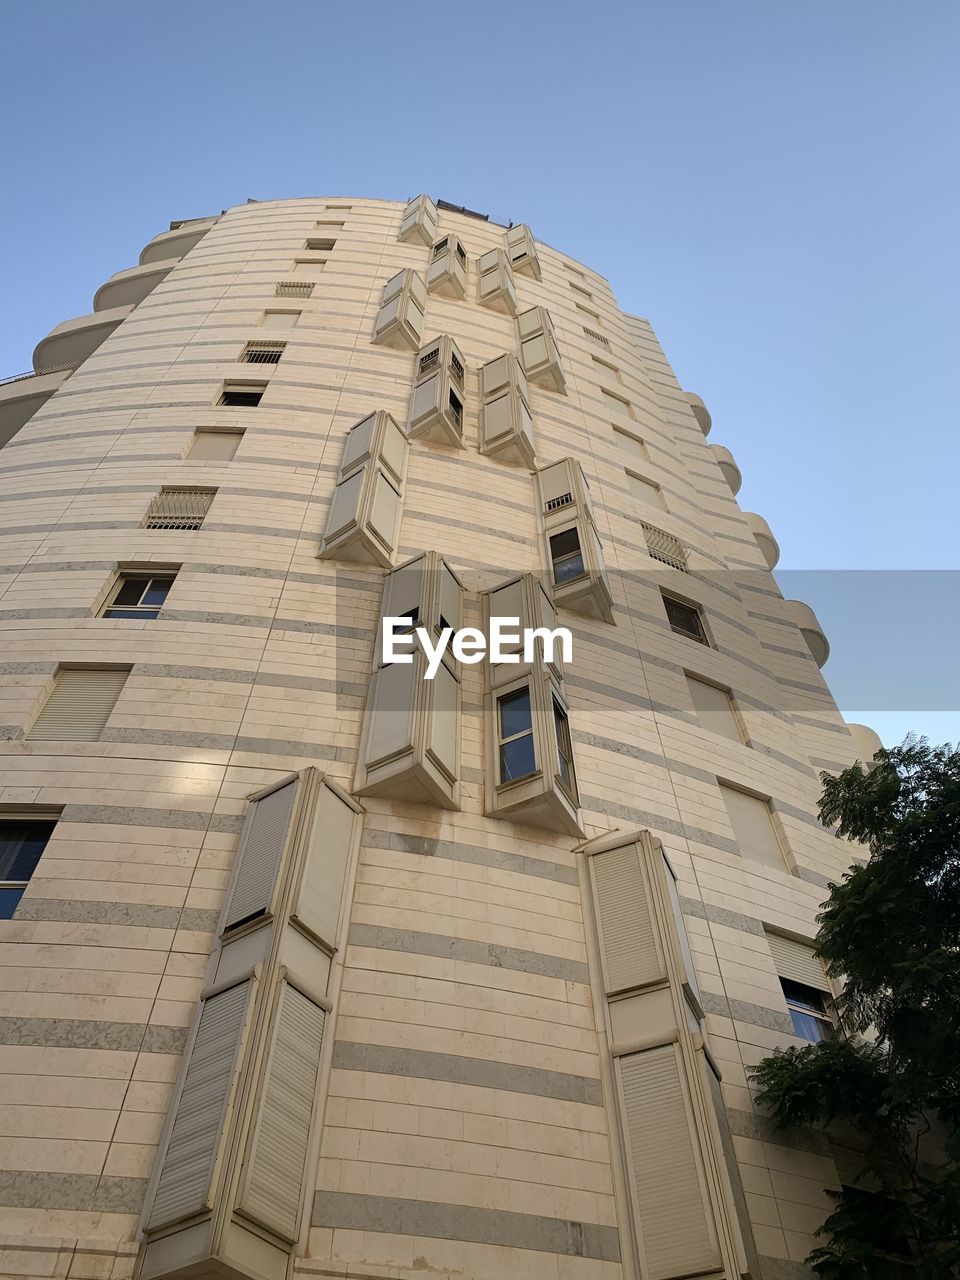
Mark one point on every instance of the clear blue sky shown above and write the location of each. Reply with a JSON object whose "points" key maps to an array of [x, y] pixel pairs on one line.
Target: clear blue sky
{"points": [[774, 185]]}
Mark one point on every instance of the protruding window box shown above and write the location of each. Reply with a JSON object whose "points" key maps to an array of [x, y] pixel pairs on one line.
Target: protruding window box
{"points": [[400, 318], [506, 423], [574, 554], [447, 272], [410, 747], [436, 405], [530, 773], [523, 251], [419, 221], [538, 350], [364, 517], [497, 289]]}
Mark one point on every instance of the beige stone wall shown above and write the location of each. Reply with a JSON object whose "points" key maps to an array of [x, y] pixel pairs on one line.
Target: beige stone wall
{"points": [[464, 1123]]}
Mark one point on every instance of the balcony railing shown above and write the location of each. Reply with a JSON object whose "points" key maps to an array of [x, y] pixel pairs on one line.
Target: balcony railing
{"points": [[36, 373]]}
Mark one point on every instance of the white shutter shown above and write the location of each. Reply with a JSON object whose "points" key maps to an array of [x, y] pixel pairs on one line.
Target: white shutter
{"points": [[753, 827], [79, 706], [272, 1190], [673, 1210], [184, 1185], [644, 491], [258, 857], [713, 708], [796, 961], [328, 855], [214, 446], [633, 450], [628, 944]]}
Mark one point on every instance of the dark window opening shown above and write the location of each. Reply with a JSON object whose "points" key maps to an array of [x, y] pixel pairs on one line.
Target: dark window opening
{"points": [[566, 556], [241, 399], [139, 596], [22, 841], [685, 619]]}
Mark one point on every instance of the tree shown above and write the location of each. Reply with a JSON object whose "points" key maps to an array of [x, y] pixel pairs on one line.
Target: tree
{"points": [[890, 932]]}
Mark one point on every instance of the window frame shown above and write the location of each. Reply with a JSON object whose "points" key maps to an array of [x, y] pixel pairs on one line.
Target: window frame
{"points": [[521, 689], [139, 611], [562, 734], [569, 556], [817, 1011], [232, 388], [705, 638], [24, 817]]}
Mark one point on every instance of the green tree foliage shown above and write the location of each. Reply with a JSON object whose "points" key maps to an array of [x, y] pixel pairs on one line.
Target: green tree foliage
{"points": [[890, 932]]}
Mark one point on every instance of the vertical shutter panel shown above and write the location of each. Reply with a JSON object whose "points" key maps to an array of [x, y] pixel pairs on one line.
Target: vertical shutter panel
{"points": [[753, 827], [713, 708], [796, 961], [674, 1215], [183, 1187], [261, 847], [325, 870], [79, 706], [214, 446], [273, 1183], [631, 957], [442, 740]]}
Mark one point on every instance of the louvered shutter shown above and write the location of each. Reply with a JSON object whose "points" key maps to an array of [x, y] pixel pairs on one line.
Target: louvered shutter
{"points": [[272, 1190], [184, 1185], [628, 944], [214, 446], [258, 857], [673, 1212], [753, 827], [713, 708], [796, 961], [79, 706]]}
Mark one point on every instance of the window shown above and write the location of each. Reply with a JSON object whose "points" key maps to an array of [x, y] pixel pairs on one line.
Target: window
{"points": [[518, 757], [214, 445], [139, 595], [564, 748], [242, 395], [456, 368], [456, 409], [22, 841], [714, 708], [79, 704], [808, 1011], [262, 352], [606, 370], [440, 248], [753, 827], [294, 289], [684, 619], [615, 403], [179, 509], [320, 246], [308, 268], [586, 292], [594, 316], [430, 361], [664, 547], [566, 556], [280, 319], [644, 491], [632, 448]]}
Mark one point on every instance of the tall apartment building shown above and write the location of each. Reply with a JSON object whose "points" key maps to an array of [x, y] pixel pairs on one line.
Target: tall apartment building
{"points": [[311, 966]]}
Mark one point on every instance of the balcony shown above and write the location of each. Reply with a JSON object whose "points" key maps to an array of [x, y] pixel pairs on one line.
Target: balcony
{"points": [[699, 410], [177, 243], [70, 343], [763, 536], [22, 395], [866, 741], [725, 461], [130, 287], [810, 629]]}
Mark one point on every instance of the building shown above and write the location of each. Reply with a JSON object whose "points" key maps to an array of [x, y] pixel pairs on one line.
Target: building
{"points": [[314, 967]]}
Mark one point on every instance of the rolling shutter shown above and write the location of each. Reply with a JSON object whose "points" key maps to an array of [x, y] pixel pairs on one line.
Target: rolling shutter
{"points": [[628, 945], [261, 847], [273, 1181], [184, 1185], [796, 961], [673, 1212], [644, 491], [79, 706], [753, 827], [713, 708]]}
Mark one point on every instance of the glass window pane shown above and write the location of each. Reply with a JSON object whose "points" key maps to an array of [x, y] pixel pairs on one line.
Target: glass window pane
{"points": [[157, 591], [568, 568], [132, 613], [9, 898], [21, 844], [131, 589], [517, 758], [810, 1028], [564, 544], [806, 997], [515, 714]]}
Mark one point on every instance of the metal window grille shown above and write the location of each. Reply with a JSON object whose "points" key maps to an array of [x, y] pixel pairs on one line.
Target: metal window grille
{"points": [[263, 352], [597, 337], [457, 368], [665, 547], [440, 248], [179, 508], [429, 361], [554, 504], [294, 288]]}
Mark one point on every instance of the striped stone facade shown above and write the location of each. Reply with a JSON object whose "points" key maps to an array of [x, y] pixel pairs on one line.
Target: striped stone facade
{"points": [[466, 1106]]}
